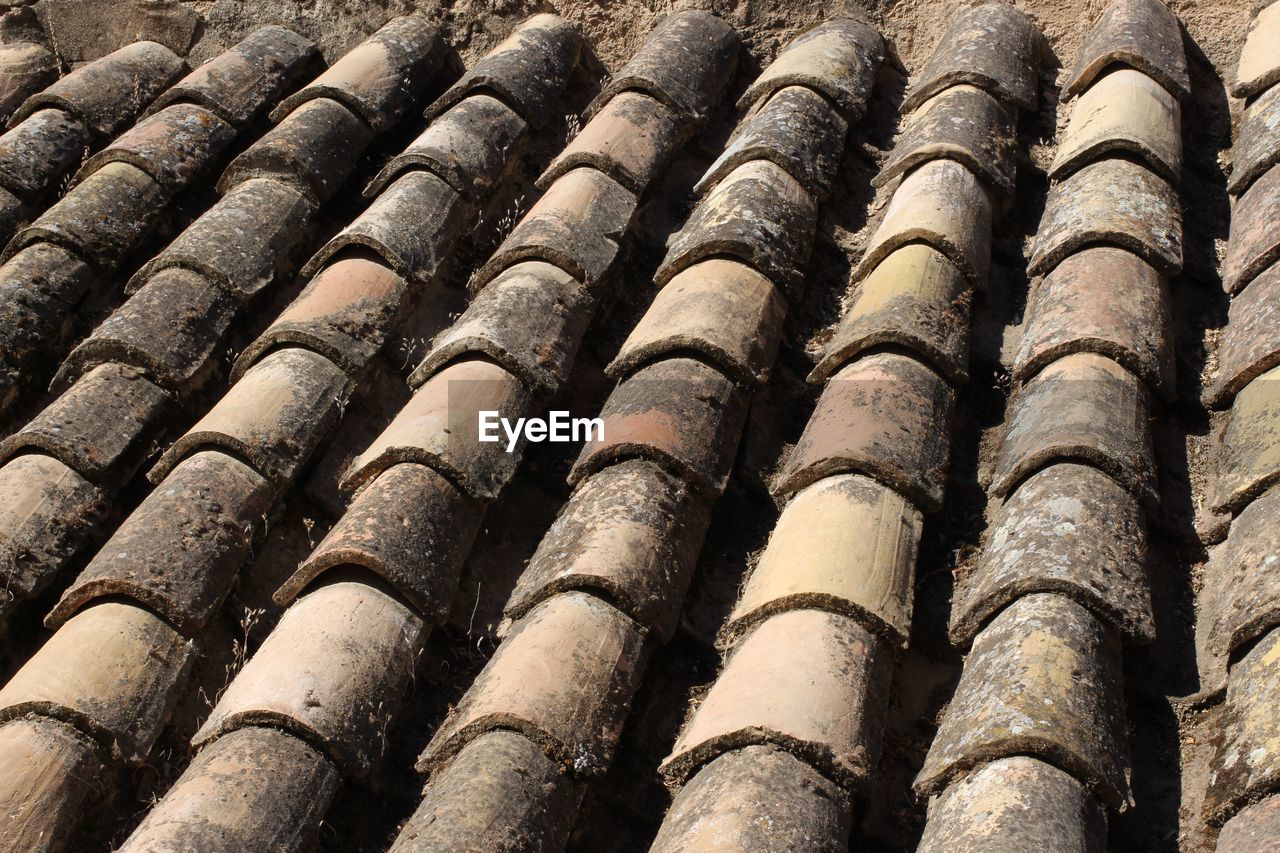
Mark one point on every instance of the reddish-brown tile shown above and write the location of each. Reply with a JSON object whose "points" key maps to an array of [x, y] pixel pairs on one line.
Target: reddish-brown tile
{"points": [[1246, 764], [1249, 451], [1250, 342], [1253, 830], [1259, 67], [173, 146], [25, 68], [630, 139], [1257, 146], [1254, 243], [1143, 34], [838, 58], [49, 774]]}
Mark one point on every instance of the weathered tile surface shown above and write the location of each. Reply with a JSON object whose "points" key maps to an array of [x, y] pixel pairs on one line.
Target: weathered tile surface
{"points": [[630, 139], [1246, 762], [25, 68], [1250, 342], [838, 58], [41, 149], [1123, 112], [1259, 65], [1143, 34], [173, 146], [1249, 453], [1254, 243], [49, 772], [1253, 830], [1257, 145]]}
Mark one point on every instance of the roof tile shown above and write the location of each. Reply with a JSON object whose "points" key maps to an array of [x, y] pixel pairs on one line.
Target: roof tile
{"points": [[1254, 243], [113, 670], [1015, 803], [1246, 763], [173, 146], [1257, 146], [845, 544], [331, 673], [469, 146], [720, 308], [813, 682], [943, 204], [14, 213], [254, 789], [35, 153], [1078, 307], [630, 139], [242, 242], [1068, 529], [678, 412], [962, 123], [563, 677], [1250, 342], [994, 47], [1124, 111], [576, 225], [102, 426], [686, 61], [377, 77], [240, 81], [757, 213], [1249, 453], [25, 68], [914, 298], [109, 92], [757, 798], [438, 427], [1142, 34], [1043, 680], [179, 551], [1082, 407], [1253, 830], [530, 319], [48, 772], [837, 58], [411, 527], [1259, 66], [527, 70], [1116, 202], [273, 417], [880, 416], [797, 129], [631, 532]]}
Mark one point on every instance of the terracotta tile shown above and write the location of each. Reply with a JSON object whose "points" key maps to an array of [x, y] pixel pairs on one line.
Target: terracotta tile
{"points": [[797, 129], [103, 426], [1068, 529], [411, 527], [237, 83], [1250, 342], [577, 225], [500, 793], [47, 512], [527, 70], [49, 777], [14, 213], [812, 682], [1114, 202], [563, 677], [994, 47], [314, 149], [1015, 804], [686, 61], [113, 671], [179, 551], [1254, 243], [678, 412], [880, 416], [108, 93], [632, 531], [470, 145], [102, 219], [1259, 66], [254, 789], [25, 68], [415, 225], [377, 77], [1142, 34], [961, 123], [1107, 301], [914, 298], [943, 204], [1085, 408], [40, 150], [723, 309], [332, 673], [1124, 111], [845, 544], [242, 243], [1253, 830], [1249, 454], [1246, 764], [757, 798], [758, 214], [530, 319], [838, 58], [1257, 145], [172, 330], [274, 417], [1043, 680], [173, 146], [631, 139], [439, 427]]}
